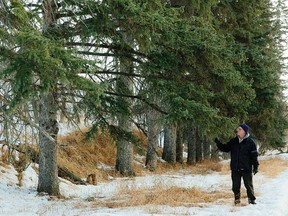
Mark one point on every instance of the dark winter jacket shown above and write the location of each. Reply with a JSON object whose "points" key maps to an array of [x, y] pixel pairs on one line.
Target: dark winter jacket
{"points": [[244, 154]]}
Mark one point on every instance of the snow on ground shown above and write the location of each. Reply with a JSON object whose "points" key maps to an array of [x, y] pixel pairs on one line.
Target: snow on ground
{"points": [[272, 199]]}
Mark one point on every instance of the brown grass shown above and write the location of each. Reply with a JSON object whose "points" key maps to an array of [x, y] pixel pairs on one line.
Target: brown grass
{"points": [[82, 157], [188, 197], [5, 165], [4, 154], [171, 196], [272, 167], [206, 166], [202, 168], [130, 195]]}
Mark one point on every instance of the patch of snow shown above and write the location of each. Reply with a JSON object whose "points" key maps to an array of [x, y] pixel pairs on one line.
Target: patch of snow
{"points": [[271, 200], [102, 166]]}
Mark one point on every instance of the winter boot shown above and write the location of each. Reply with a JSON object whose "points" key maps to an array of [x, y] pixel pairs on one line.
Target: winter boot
{"points": [[237, 201], [251, 202], [237, 198]]}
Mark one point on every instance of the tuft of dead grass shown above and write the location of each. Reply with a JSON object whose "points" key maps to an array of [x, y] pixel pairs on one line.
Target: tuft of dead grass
{"points": [[272, 167], [171, 196], [204, 167], [207, 166], [4, 154], [82, 157]]}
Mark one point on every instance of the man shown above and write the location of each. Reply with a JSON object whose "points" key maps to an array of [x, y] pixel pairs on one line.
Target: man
{"points": [[244, 161]]}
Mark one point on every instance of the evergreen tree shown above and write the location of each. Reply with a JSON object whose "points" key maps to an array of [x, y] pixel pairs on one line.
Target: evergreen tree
{"points": [[48, 166], [213, 63], [37, 63], [255, 32]]}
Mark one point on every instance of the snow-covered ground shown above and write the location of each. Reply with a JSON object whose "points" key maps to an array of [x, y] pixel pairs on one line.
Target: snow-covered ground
{"points": [[271, 193]]}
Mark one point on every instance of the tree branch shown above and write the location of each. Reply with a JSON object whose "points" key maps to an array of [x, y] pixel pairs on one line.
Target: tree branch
{"points": [[154, 106], [109, 55], [107, 46]]}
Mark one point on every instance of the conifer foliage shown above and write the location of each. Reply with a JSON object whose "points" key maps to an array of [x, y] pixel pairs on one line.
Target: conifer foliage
{"points": [[256, 34], [203, 67]]}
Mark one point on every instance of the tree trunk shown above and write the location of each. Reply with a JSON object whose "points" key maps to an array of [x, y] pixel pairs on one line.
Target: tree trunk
{"points": [[179, 146], [206, 149], [169, 150], [152, 141], [124, 161], [48, 168], [199, 146], [191, 158]]}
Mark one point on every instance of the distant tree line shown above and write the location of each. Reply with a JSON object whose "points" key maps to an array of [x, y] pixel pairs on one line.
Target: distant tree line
{"points": [[190, 69]]}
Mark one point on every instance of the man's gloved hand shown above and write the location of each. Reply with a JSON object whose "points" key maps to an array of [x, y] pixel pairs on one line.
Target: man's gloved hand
{"points": [[217, 141], [255, 170]]}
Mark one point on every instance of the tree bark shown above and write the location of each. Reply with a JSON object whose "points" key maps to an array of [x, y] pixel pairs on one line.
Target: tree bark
{"points": [[152, 139], [169, 150], [206, 149], [199, 146], [179, 146], [48, 169], [124, 160], [191, 158]]}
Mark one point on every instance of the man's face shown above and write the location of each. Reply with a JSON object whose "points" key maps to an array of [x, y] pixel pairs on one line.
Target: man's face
{"points": [[240, 132]]}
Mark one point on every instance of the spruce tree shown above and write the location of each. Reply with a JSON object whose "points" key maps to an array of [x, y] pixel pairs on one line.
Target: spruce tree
{"points": [[37, 63], [255, 34]]}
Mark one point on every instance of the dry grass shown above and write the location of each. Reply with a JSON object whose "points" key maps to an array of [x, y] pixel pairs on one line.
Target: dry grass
{"points": [[206, 166], [188, 197], [160, 195], [130, 195], [202, 168], [4, 154], [272, 167], [82, 158], [5, 165]]}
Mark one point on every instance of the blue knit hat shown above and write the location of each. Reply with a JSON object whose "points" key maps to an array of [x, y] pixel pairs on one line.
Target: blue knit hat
{"points": [[245, 127]]}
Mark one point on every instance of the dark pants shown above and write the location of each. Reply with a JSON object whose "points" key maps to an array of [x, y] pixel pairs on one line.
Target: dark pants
{"points": [[248, 182]]}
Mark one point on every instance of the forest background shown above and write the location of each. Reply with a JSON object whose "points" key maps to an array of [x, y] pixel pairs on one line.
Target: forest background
{"points": [[187, 70]]}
